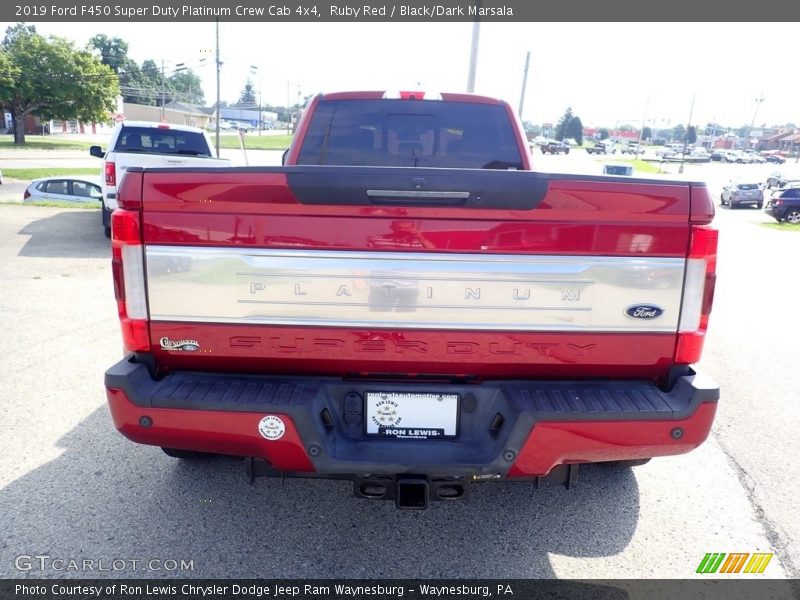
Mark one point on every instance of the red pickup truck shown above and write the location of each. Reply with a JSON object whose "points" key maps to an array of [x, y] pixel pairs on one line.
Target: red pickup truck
{"points": [[407, 304]]}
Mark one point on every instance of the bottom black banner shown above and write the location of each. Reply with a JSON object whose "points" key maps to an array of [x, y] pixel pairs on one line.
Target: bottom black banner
{"points": [[384, 589]]}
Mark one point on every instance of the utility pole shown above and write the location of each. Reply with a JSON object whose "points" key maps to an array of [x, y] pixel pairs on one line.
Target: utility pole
{"points": [[641, 129], [255, 72], [524, 83], [163, 92], [218, 88], [686, 135], [473, 55]]}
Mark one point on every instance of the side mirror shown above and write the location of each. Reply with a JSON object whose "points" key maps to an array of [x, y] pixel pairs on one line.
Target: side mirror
{"points": [[97, 152]]}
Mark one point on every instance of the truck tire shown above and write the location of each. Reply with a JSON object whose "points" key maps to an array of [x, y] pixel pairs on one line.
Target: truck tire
{"points": [[566, 151], [626, 464], [186, 454], [105, 219]]}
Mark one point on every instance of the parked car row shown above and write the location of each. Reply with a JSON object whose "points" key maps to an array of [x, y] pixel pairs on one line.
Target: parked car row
{"points": [[776, 180], [783, 203]]}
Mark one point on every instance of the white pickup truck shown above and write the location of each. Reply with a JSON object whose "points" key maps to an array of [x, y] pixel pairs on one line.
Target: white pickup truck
{"points": [[148, 144]]}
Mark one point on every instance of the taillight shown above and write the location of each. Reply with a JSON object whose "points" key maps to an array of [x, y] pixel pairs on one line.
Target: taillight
{"points": [[698, 293], [127, 265], [26, 195], [111, 174]]}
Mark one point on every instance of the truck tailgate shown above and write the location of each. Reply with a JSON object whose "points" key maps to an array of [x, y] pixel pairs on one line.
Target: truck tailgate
{"points": [[356, 271]]}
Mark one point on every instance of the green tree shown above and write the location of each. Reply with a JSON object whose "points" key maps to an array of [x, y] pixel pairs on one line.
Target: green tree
{"points": [[561, 127], [248, 95], [54, 80], [626, 127], [647, 133], [113, 51], [150, 82], [8, 74], [603, 133], [691, 135], [678, 132], [531, 128], [186, 86], [714, 129], [574, 130]]}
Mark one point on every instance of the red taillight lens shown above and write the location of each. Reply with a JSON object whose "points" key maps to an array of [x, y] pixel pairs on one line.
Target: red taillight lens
{"points": [[698, 293], [111, 173], [127, 266]]}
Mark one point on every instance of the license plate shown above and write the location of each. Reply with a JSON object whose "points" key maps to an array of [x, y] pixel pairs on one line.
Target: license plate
{"points": [[412, 416]]}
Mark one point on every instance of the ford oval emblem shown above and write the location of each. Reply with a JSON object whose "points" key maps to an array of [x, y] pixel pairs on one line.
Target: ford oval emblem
{"points": [[644, 311]]}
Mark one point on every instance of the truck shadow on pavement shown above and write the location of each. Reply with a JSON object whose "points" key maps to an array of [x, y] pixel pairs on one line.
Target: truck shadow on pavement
{"points": [[75, 233], [107, 498]]}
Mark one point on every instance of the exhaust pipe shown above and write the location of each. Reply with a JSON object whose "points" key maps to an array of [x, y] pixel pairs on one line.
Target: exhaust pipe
{"points": [[412, 493]]}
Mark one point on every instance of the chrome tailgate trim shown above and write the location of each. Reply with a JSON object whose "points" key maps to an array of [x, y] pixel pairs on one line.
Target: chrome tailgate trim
{"points": [[412, 290]]}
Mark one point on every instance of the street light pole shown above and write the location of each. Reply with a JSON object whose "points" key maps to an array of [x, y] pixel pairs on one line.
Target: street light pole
{"points": [[218, 86], [524, 83], [759, 100], [473, 55]]}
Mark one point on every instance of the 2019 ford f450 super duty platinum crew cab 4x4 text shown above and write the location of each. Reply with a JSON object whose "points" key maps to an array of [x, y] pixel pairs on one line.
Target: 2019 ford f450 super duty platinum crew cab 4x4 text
{"points": [[406, 304]]}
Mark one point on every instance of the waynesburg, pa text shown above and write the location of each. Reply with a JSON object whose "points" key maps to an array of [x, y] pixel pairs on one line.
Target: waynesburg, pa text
{"points": [[254, 590]]}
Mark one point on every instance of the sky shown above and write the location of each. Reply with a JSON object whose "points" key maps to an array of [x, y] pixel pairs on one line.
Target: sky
{"points": [[609, 73]]}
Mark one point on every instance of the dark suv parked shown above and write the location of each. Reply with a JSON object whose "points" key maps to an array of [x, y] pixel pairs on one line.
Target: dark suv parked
{"points": [[785, 205]]}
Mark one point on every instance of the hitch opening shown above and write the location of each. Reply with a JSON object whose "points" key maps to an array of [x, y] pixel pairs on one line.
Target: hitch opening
{"points": [[412, 493]]}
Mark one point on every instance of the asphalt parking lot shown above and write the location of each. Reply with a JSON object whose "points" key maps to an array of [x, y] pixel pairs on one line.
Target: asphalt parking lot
{"points": [[72, 488]]}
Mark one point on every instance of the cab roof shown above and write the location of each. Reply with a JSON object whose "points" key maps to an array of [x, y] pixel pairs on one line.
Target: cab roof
{"points": [[417, 95]]}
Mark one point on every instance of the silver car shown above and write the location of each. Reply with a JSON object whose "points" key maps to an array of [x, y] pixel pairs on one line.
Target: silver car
{"points": [[736, 193], [63, 189]]}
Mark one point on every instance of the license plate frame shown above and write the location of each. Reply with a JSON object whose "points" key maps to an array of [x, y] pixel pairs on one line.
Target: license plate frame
{"points": [[411, 415]]}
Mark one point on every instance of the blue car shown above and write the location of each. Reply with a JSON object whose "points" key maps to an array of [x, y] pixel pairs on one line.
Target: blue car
{"points": [[785, 205]]}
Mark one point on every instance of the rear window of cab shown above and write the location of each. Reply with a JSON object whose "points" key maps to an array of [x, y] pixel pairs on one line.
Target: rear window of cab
{"points": [[162, 140], [410, 133]]}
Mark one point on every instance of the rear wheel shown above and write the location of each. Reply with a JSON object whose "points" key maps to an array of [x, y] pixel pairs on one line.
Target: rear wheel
{"points": [[792, 216], [186, 454]]}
